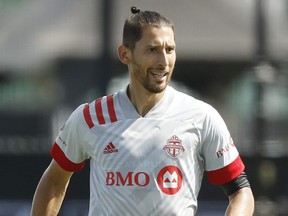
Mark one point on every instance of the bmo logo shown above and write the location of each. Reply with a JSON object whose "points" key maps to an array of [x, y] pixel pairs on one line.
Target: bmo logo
{"points": [[141, 179], [169, 179]]}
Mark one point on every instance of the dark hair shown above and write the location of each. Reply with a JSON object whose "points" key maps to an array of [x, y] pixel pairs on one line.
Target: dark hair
{"points": [[134, 25]]}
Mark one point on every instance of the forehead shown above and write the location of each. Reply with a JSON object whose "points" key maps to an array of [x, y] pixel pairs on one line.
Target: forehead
{"points": [[157, 36]]}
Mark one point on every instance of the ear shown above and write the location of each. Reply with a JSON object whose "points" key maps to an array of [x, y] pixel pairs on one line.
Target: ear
{"points": [[124, 54]]}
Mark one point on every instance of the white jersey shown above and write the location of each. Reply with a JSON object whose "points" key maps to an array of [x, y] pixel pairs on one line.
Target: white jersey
{"points": [[151, 165]]}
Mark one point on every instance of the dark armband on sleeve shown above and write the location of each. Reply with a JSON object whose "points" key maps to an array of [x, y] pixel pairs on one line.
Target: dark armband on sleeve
{"points": [[236, 184]]}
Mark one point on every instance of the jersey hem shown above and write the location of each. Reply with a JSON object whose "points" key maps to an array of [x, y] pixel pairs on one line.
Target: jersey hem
{"points": [[227, 173], [58, 155]]}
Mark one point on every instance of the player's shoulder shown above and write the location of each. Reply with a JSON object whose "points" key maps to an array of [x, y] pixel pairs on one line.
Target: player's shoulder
{"points": [[188, 101], [190, 108], [102, 110], [77, 114]]}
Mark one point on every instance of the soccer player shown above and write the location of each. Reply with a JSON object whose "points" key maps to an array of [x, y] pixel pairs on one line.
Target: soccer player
{"points": [[148, 144]]}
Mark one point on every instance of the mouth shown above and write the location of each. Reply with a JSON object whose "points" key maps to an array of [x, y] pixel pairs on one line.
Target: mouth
{"points": [[159, 76]]}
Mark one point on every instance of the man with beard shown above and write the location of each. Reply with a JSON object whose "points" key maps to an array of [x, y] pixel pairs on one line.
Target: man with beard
{"points": [[148, 144]]}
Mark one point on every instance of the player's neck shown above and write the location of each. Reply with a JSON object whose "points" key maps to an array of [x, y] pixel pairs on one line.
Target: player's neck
{"points": [[143, 100]]}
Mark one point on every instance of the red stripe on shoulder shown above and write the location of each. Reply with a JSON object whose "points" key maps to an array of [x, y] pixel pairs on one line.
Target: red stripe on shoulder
{"points": [[58, 155], [226, 174], [111, 108], [99, 111], [87, 116]]}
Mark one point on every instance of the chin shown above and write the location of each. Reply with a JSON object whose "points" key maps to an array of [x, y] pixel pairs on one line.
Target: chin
{"points": [[156, 88]]}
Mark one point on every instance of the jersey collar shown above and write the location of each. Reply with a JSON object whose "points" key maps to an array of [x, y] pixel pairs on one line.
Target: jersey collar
{"points": [[157, 111]]}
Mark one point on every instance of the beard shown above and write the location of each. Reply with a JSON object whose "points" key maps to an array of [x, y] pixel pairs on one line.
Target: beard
{"points": [[145, 78], [156, 87]]}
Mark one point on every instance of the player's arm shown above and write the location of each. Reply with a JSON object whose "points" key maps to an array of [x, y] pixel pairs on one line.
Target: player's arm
{"points": [[241, 203], [241, 200], [50, 191]]}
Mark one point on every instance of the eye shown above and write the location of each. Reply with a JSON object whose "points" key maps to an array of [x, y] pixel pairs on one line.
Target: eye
{"points": [[152, 49], [170, 49]]}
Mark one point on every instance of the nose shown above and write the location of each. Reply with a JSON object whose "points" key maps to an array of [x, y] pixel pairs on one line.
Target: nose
{"points": [[163, 58]]}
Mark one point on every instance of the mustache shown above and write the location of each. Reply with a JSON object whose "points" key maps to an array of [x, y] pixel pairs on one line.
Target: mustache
{"points": [[160, 69]]}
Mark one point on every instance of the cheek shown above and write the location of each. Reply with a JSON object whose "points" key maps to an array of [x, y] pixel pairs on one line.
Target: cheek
{"points": [[137, 65], [143, 65], [172, 60], [172, 64], [137, 69]]}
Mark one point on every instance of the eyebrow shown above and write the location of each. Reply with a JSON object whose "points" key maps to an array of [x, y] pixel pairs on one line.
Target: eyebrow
{"points": [[159, 45]]}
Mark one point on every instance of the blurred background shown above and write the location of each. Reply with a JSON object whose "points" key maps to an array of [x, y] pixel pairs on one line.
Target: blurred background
{"points": [[57, 54]]}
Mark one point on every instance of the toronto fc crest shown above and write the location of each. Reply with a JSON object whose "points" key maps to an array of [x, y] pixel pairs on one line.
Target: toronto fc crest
{"points": [[174, 147]]}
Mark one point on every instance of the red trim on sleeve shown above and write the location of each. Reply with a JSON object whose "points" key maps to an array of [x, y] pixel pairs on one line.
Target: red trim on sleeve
{"points": [[226, 174], [99, 111], [111, 108], [59, 156], [87, 116]]}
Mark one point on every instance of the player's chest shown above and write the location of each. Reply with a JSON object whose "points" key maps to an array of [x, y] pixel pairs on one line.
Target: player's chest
{"points": [[132, 141]]}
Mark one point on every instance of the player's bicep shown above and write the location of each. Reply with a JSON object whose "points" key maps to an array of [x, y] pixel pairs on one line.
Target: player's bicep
{"points": [[70, 149], [56, 175], [222, 160], [236, 184], [63, 161], [227, 173]]}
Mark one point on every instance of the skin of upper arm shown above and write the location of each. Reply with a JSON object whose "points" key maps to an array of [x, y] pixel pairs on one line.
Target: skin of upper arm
{"points": [[57, 174], [241, 203], [55, 178], [51, 190]]}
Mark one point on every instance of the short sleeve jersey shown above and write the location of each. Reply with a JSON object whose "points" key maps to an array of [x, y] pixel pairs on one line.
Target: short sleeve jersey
{"points": [[151, 165]]}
